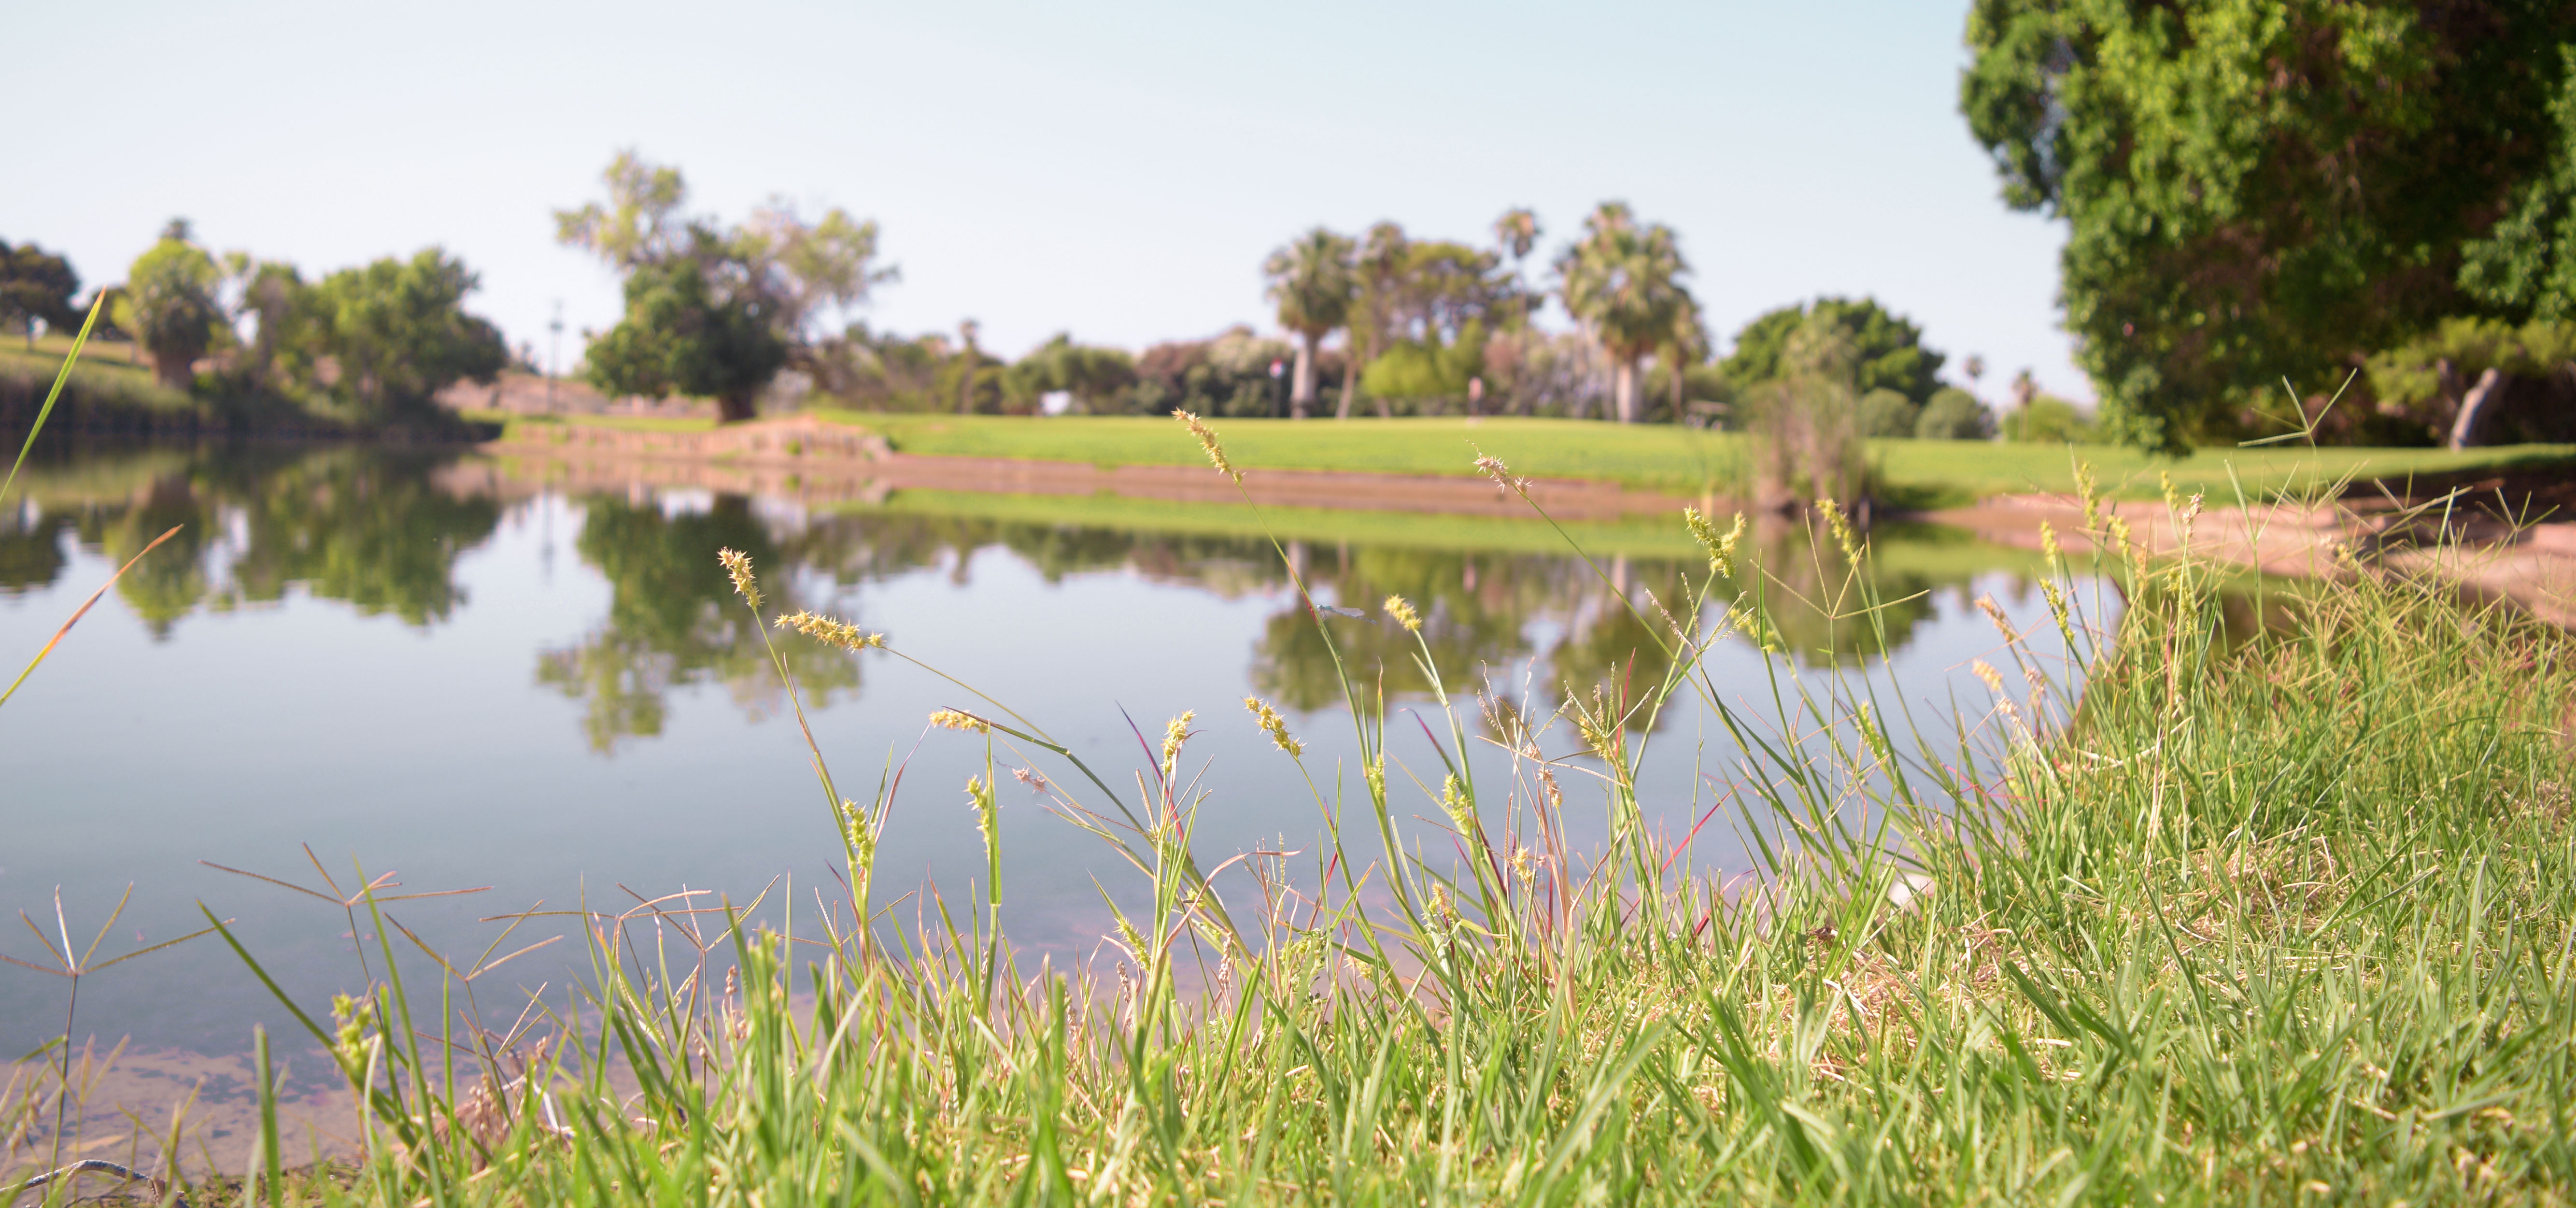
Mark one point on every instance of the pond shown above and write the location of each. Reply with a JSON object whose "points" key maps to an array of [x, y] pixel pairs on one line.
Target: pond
{"points": [[422, 664]]}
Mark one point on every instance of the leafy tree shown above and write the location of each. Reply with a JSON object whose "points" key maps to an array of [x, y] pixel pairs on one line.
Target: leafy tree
{"points": [[684, 333], [272, 297], [778, 272], [36, 284], [1378, 276], [170, 296], [2256, 189], [1885, 412], [1229, 375], [1623, 281], [398, 332], [1887, 348], [1954, 414], [1092, 375], [1311, 284]]}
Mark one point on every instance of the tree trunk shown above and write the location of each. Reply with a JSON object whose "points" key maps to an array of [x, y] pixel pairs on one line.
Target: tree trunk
{"points": [[1301, 392], [1678, 385], [735, 408], [177, 371], [2464, 430], [1624, 389]]}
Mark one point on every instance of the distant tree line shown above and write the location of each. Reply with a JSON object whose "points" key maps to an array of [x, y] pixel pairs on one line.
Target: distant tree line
{"points": [[372, 345]]}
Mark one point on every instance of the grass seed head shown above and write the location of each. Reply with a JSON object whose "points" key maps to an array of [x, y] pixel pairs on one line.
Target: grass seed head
{"points": [[1275, 725], [957, 719], [1720, 546], [831, 632], [1207, 441], [1175, 733], [1492, 467], [737, 564], [1403, 612]]}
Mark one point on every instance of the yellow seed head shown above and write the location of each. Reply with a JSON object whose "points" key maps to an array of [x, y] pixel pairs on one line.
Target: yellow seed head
{"points": [[738, 565], [831, 632], [1176, 732], [2057, 611], [1720, 546], [1275, 725], [955, 719], [1207, 441], [1840, 522], [1403, 613], [1455, 803]]}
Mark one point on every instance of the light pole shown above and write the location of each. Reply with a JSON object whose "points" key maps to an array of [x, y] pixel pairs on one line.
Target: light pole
{"points": [[554, 354]]}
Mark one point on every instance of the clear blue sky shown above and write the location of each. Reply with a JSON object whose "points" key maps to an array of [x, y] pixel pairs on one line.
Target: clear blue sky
{"points": [[1115, 170]]}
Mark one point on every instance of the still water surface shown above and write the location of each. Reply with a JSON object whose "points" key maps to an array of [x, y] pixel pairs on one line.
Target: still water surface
{"points": [[417, 664]]}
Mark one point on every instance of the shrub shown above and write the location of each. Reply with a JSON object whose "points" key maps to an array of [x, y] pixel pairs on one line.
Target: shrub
{"points": [[1885, 412], [1954, 414], [2049, 420]]}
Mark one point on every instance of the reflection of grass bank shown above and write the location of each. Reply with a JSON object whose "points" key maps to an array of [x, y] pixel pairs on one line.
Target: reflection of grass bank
{"points": [[1921, 549]]}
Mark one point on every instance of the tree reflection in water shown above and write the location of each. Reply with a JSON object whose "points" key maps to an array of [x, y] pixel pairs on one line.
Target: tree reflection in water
{"points": [[367, 527], [382, 530], [673, 620]]}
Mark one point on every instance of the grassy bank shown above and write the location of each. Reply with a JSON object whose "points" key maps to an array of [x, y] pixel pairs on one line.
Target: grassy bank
{"points": [[1682, 461], [2281, 911]]}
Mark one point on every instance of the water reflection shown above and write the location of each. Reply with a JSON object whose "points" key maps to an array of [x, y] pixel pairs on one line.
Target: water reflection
{"points": [[382, 531], [367, 527], [673, 620], [229, 703]]}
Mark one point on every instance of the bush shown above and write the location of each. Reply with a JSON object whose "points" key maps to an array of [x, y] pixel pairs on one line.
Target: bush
{"points": [[1954, 414], [2050, 420], [1885, 412]]}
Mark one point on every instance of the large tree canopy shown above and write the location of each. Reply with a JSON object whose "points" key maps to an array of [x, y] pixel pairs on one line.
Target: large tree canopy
{"points": [[36, 284], [1887, 349], [170, 304], [397, 331], [684, 334], [736, 305], [2260, 188]]}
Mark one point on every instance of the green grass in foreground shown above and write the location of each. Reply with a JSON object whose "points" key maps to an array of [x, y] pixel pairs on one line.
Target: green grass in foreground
{"points": [[1661, 457], [2273, 915]]}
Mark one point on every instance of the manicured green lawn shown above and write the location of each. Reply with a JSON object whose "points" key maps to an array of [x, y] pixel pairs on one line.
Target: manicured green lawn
{"points": [[1913, 473], [1919, 473]]}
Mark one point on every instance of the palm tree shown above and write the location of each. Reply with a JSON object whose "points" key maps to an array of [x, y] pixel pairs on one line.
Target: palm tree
{"points": [[1311, 282], [1623, 282]]}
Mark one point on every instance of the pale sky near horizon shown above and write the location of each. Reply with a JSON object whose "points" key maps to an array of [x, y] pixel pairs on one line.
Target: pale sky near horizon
{"points": [[1117, 171]]}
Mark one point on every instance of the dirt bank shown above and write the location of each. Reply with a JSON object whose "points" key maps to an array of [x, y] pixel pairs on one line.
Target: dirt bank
{"points": [[2488, 542]]}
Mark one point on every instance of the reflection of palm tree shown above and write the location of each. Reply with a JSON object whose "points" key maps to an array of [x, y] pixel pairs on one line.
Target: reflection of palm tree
{"points": [[1623, 282], [168, 585], [1310, 281], [673, 622]]}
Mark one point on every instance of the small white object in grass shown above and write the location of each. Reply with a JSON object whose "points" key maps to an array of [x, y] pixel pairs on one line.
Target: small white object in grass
{"points": [[1906, 888]]}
